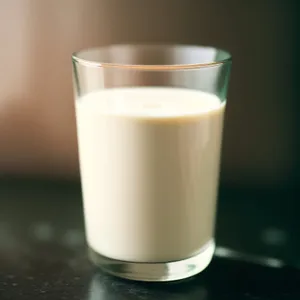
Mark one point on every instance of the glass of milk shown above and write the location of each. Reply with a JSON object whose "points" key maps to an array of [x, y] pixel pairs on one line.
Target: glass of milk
{"points": [[149, 123]]}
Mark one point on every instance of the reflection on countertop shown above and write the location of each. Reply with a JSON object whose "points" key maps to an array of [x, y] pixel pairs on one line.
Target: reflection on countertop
{"points": [[42, 248]]}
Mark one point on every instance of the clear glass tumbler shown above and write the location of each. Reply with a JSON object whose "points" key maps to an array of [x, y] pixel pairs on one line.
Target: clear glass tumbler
{"points": [[149, 123]]}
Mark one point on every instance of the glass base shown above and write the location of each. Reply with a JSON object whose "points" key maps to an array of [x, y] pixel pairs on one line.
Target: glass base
{"points": [[158, 272]]}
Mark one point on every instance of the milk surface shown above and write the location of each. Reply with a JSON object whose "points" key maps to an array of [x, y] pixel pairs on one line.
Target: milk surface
{"points": [[149, 162]]}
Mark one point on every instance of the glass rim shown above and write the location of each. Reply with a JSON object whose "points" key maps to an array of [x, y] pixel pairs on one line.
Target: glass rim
{"points": [[152, 67]]}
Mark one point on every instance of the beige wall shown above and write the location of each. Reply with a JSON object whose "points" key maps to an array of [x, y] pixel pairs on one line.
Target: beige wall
{"points": [[37, 129]]}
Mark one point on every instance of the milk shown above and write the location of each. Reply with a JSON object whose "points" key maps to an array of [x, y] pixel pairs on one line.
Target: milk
{"points": [[149, 167]]}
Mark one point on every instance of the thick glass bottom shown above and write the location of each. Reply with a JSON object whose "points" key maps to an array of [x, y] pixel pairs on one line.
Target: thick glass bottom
{"points": [[162, 271]]}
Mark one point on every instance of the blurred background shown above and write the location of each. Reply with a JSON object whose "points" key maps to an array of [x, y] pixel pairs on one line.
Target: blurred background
{"points": [[37, 125]]}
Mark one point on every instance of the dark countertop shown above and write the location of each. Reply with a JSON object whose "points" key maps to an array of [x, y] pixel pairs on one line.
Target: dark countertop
{"points": [[42, 249]]}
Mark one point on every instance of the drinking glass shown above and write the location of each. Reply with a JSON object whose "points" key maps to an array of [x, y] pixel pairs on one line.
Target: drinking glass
{"points": [[149, 123]]}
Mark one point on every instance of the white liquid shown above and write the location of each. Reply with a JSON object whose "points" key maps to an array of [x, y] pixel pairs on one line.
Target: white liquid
{"points": [[149, 166]]}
